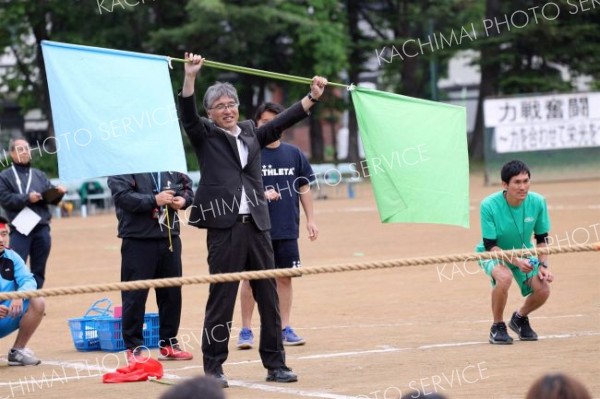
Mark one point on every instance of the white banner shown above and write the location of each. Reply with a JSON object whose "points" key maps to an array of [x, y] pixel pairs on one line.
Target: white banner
{"points": [[547, 122]]}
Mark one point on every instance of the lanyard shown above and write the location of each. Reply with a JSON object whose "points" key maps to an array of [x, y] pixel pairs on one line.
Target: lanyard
{"points": [[521, 233], [156, 183], [19, 184]]}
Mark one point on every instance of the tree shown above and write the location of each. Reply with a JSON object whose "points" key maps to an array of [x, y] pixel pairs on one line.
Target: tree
{"points": [[302, 38], [322, 47], [24, 25], [530, 54], [358, 57], [490, 73], [404, 35]]}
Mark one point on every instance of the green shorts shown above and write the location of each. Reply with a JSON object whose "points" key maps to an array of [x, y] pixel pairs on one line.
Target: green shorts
{"points": [[520, 277]]}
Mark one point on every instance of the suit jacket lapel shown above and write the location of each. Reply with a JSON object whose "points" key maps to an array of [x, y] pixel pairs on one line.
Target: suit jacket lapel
{"points": [[252, 145], [233, 145]]}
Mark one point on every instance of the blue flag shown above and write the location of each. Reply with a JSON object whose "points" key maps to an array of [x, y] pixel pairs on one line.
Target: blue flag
{"points": [[113, 112]]}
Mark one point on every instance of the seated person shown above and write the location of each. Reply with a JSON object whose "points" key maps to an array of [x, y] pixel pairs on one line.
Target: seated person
{"points": [[91, 187], [22, 315]]}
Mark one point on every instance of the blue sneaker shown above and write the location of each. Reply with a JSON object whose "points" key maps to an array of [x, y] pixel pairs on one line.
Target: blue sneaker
{"points": [[290, 338], [246, 339]]}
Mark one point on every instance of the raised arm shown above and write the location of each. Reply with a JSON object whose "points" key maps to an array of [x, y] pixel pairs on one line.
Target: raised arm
{"points": [[191, 69], [188, 113], [317, 87]]}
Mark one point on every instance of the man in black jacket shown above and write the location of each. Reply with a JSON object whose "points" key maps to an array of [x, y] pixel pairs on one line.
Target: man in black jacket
{"points": [[146, 206], [230, 203], [22, 186]]}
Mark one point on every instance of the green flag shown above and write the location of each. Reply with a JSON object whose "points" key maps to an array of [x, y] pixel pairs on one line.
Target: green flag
{"points": [[417, 157]]}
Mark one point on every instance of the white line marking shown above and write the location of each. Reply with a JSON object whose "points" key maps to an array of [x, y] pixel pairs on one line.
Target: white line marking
{"points": [[290, 391], [532, 318], [355, 353], [355, 326], [79, 367], [451, 345], [391, 349], [261, 387]]}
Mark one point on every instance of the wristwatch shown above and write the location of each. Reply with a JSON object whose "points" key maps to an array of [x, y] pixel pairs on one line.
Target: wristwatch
{"points": [[311, 98]]}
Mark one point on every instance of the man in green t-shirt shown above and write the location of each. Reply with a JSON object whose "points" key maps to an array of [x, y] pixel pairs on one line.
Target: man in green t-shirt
{"points": [[509, 219]]}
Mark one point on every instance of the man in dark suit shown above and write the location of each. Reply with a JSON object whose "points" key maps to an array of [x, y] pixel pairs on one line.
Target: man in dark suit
{"points": [[146, 205], [230, 203]]}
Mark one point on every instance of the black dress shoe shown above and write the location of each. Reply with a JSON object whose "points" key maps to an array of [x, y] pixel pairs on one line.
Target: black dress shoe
{"points": [[221, 379], [281, 374]]}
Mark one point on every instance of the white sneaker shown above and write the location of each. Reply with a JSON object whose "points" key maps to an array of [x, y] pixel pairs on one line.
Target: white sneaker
{"points": [[22, 357]]}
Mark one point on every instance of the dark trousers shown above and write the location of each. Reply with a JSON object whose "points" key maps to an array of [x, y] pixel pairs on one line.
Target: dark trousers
{"points": [[143, 259], [36, 246], [240, 248]]}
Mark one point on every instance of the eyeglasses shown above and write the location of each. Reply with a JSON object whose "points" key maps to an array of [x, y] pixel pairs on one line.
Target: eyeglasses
{"points": [[223, 107]]}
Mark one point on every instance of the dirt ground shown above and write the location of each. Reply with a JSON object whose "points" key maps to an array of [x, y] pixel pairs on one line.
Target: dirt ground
{"points": [[370, 334]]}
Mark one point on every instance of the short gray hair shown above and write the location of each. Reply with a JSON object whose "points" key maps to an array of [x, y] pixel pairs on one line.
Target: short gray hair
{"points": [[219, 89], [12, 143]]}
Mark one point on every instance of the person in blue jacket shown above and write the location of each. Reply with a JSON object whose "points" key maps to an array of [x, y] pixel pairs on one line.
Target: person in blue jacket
{"points": [[21, 315]]}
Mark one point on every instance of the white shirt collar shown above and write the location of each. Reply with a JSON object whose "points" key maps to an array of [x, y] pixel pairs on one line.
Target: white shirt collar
{"points": [[235, 134]]}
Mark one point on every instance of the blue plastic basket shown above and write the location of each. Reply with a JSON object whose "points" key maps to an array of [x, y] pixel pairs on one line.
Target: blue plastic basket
{"points": [[84, 330], [111, 339]]}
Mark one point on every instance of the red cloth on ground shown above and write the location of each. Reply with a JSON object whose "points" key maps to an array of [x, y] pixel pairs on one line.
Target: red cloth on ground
{"points": [[135, 371]]}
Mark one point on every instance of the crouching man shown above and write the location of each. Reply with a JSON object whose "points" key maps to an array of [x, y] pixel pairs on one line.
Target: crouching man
{"points": [[21, 315]]}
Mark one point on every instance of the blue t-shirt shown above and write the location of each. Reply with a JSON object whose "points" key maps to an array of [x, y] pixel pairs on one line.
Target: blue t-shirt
{"points": [[14, 274], [285, 169]]}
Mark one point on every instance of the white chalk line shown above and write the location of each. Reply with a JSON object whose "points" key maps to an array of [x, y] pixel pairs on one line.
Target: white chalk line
{"points": [[403, 324], [386, 349], [289, 391], [91, 372], [262, 387], [38, 384]]}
